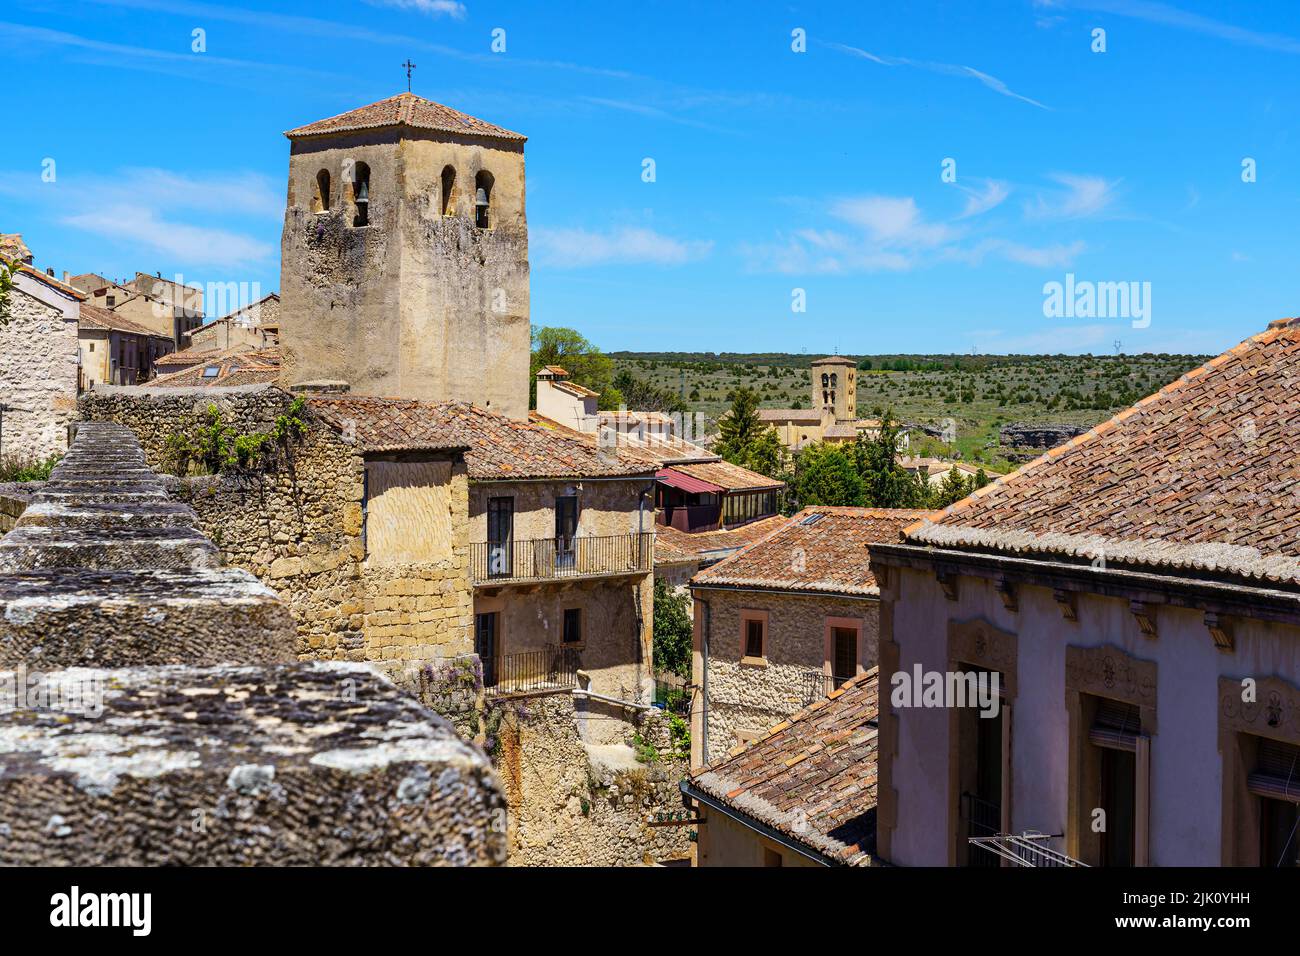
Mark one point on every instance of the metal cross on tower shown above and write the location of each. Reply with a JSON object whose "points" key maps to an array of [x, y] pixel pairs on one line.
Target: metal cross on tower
{"points": [[409, 67]]}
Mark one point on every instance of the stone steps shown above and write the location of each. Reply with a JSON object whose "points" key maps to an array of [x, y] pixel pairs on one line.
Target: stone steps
{"points": [[55, 618]]}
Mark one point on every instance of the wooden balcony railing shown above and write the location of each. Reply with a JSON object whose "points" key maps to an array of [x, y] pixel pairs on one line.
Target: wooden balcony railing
{"points": [[546, 559]]}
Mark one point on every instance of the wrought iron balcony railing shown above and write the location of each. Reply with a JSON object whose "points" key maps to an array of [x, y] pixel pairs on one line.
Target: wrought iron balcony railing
{"points": [[553, 668], [545, 559]]}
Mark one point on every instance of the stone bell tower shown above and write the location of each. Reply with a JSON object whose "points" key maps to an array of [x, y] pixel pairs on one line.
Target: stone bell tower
{"points": [[834, 388], [404, 257]]}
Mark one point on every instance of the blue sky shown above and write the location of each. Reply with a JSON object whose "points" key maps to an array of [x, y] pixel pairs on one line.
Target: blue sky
{"points": [[775, 170]]}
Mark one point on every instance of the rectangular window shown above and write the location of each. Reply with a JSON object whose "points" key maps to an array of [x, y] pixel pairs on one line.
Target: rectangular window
{"points": [[500, 537], [753, 638], [844, 663], [572, 625], [485, 645], [566, 529]]}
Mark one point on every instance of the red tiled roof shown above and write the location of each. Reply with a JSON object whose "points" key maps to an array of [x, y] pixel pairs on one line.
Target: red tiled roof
{"points": [[234, 367], [1201, 475], [813, 777], [677, 547], [406, 109], [821, 549], [835, 360], [500, 448]]}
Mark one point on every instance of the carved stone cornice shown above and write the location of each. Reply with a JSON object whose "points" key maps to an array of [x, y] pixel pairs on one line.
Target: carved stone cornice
{"points": [[1274, 712]]}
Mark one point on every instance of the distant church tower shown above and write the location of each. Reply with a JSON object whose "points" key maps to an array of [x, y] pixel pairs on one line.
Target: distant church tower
{"points": [[404, 258], [834, 388]]}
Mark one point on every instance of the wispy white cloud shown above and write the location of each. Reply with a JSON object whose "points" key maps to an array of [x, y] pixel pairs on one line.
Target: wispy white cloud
{"points": [[1054, 255], [134, 57], [180, 241], [1080, 197], [948, 69], [183, 217], [891, 234], [989, 196], [433, 8], [625, 245], [1166, 15]]}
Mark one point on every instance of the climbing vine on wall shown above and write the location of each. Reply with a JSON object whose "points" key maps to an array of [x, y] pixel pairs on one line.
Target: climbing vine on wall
{"points": [[218, 447]]}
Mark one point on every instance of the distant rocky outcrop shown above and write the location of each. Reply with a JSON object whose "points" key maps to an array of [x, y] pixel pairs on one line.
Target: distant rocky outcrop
{"points": [[1038, 435]]}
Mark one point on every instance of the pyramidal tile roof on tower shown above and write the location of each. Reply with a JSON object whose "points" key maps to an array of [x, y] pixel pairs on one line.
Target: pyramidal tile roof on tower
{"points": [[406, 109]]}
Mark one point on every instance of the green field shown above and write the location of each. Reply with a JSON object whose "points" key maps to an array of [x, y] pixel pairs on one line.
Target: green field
{"points": [[979, 392]]}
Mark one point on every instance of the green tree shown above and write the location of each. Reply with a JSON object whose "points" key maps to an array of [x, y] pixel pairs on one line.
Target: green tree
{"points": [[887, 483], [745, 440], [585, 363], [954, 487], [642, 396], [672, 631], [827, 475]]}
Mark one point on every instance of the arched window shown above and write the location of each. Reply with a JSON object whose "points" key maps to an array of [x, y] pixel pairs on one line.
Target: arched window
{"points": [[482, 198], [826, 379], [448, 191], [361, 194], [320, 200], [835, 380]]}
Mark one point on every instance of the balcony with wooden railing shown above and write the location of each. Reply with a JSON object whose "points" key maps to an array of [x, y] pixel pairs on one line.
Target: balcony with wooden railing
{"points": [[538, 560]]}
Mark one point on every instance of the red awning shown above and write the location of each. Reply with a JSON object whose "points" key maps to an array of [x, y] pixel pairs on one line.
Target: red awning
{"points": [[686, 483]]}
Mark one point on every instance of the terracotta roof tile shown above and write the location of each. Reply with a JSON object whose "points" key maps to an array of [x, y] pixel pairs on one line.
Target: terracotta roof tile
{"points": [[234, 367], [813, 776], [500, 448], [406, 109], [1203, 474], [675, 547], [728, 476], [93, 317], [821, 549]]}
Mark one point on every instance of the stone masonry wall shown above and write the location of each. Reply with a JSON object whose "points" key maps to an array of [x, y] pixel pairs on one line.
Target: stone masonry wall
{"points": [[298, 527], [200, 743], [38, 378], [751, 697], [571, 807]]}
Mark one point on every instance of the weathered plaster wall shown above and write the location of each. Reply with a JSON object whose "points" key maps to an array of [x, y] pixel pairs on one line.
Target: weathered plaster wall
{"points": [[751, 696], [38, 376], [416, 304], [1186, 762], [725, 842]]}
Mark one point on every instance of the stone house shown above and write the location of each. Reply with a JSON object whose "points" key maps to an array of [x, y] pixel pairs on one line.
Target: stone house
{"points": [[255, 326], [560, 548], [1136, 594], [114, 350], [802, 794], [160, 305], [38, 366], [783, 622]]}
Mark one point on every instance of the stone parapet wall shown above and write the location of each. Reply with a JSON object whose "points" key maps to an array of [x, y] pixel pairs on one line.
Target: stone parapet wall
{"points": [[155, 715]]}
